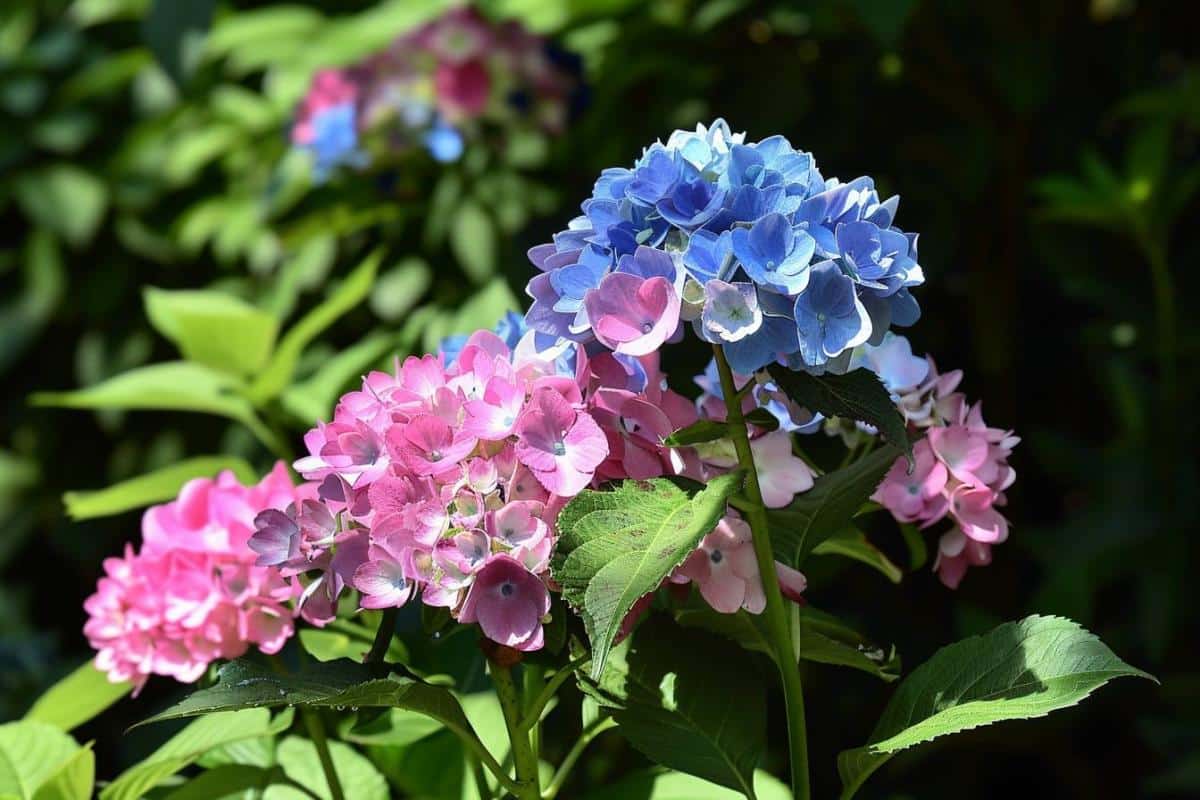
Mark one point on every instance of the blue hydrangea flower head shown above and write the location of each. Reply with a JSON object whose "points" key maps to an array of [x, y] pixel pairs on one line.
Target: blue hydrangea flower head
{"points": [[765, 255], [335, 140]]}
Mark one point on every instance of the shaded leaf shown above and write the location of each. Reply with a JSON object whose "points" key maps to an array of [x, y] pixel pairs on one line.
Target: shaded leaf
{"points": [[853, 544], [856, 395], [706, 430], [65, 199], [826, 508], [660, 784], [825, 639], [473, 240]]}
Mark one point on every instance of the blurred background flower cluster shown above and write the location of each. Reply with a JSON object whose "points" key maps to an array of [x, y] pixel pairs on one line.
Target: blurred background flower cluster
{"points": [[164, 169]]}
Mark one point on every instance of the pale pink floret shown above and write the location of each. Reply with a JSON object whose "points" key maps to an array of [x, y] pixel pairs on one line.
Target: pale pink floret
{"points": [[725, 570], [560, 445], [192, 594], [781, 475]]}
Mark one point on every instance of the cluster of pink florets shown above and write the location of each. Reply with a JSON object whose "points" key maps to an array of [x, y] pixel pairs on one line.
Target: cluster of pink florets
{"points": [[444, 480], [961, 471], [192, 593]]}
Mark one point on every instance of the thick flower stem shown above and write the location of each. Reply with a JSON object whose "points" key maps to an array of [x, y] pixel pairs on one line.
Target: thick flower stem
{"points": [[524, 759], [316, 732], [776, 616], [383, 636]]}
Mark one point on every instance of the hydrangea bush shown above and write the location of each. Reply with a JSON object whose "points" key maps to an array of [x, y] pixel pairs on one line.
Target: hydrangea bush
{"points": [[546, 491], [450, 80]]}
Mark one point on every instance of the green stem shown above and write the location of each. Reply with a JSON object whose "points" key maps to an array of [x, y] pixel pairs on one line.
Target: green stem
{"points": [[524, 760], [383, 636], [534, 713], [534, 684], [316, 732], [481, 783], [775, 615], [594, 729]]}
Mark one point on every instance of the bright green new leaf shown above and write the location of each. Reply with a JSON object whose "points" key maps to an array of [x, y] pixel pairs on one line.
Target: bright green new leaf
{"points": [[72, 780], [77, 698], [1017, 671], [853, 544], [31, 754], [153, 487], [473, 240], [660, 784], [358, 776], [395, 727], [208, 732], [169, 386], [618, 545], [857, 395], [213, 328], [826, 508], [313, 398], [688, 701], [282, 366]]}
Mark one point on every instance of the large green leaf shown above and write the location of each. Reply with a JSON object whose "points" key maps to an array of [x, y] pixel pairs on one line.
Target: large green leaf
{"points": [[213, 328], [689, 702], [660, 784], [826, 508], [616, 546], [208, 732], [31, 754], [169, 386], [77, 698], [153, 487], [1017, 671], [282, 366], [226, 781], [857, 395], [358, 776]]}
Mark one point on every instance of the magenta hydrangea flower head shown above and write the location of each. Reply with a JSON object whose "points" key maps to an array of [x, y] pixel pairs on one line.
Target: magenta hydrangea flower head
{"points": [[192, 592], [441, 480], [764, 255]]}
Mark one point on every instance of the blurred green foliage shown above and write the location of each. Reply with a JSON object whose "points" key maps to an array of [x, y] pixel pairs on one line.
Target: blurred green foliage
{"points": [[1048, 151]]}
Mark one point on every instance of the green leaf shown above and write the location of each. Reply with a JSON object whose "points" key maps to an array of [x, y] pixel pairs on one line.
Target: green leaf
{"points": [[175, 33], [279, 371], [213, 328], [825, 639], [185, 747], [400, 288], [395, 727], [73, 780], [339, 684], [761, 418], [660, 784], [689, 702], [747, 629], [314, 398], [1019, 670], [65, 199], [473, 240], [31, 753], [856, 395], [705, 430], [358, 776], [853, 543], [153, 487], [227, 780], [616, 546], [826, 508], [918, 551], [77, 698], [169, 386]]}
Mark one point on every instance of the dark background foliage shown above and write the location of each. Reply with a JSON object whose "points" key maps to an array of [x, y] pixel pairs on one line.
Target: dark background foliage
{"points": [[1047, 151]]}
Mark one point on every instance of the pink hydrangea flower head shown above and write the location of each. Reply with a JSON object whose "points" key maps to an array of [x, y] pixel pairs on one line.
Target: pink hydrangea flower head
{"points": [[725, 569], [462, 89], [193, 593], [561, 445], [509, 602], [330, 88]]}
